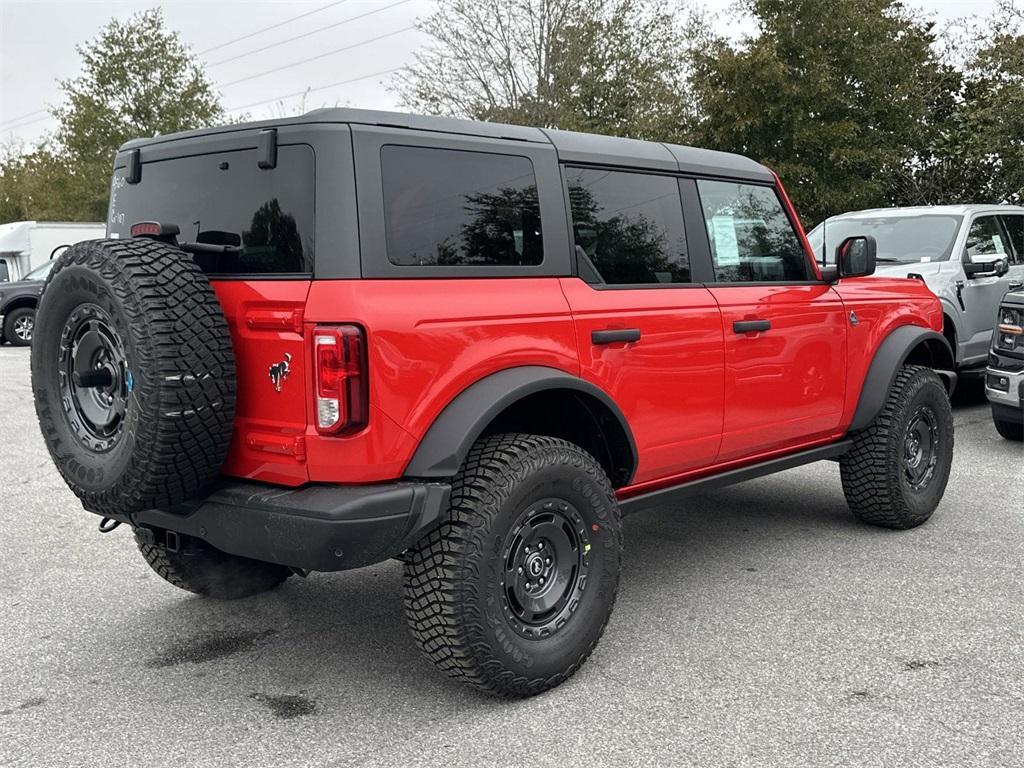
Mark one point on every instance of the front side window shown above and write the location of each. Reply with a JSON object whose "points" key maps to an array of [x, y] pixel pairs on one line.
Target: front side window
{"points": [[628, 227], [41, 272], [986, 238], [454, 208], [1014, 224], [752, 239]]}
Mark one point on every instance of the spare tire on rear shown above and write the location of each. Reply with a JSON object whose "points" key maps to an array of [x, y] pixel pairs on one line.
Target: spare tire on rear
{"points": [[133, 375]]}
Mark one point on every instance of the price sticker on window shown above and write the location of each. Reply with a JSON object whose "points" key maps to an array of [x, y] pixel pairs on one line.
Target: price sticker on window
{"points": [[723, 234]]}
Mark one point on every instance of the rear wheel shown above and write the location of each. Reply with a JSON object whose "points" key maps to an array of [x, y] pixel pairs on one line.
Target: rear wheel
{"points": [[1010, 430], [896, 472], [197, 567], [19, 325], [512, 592]]}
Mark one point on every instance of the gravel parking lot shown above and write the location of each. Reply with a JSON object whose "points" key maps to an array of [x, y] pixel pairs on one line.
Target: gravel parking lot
{"points": [[760, 625]]}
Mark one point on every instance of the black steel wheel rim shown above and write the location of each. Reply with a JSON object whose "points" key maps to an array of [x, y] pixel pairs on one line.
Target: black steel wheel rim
{"points": [[95, 380], [921, 448], [545, 567]]}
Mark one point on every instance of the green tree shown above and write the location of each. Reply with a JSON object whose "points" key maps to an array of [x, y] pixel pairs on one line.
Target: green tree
{"points": [[137, 79], [978, 155], [839, 97], [606, 66]]}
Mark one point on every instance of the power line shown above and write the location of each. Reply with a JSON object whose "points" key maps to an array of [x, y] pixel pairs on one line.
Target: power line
{"points": [[27, 122], [314, 90], [307, 34], [21, 117], [318, 56], [272, 26]]}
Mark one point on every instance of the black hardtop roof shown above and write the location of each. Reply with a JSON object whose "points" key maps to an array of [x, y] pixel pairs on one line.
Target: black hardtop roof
{"points": [[586, 148]]}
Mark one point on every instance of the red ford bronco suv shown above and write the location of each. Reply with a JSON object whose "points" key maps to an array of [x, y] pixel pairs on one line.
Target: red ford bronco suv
{"points": [[317, 343]]}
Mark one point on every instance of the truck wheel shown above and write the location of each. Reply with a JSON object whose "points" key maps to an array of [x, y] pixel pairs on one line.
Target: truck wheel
{"points": [[1010, 430], [18, 326], [133, 375], [512, 592], [197, 567], [896, 472]]}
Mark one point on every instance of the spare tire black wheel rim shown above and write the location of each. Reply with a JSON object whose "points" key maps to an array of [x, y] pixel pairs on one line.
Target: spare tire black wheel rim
{"points": [[95, 380], [921, 448], [545, 568]]}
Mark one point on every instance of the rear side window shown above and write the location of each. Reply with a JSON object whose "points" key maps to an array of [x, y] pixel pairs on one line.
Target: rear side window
{"points": [[752, 239], [454, 208], [264, 216], [628, 227]]}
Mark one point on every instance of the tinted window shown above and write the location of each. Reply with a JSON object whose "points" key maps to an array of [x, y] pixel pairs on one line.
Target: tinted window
{"points": [[265, 217], [628, 227], [986, 238], [1015, 229], [751, 237], [450, 208], [5, 274]]}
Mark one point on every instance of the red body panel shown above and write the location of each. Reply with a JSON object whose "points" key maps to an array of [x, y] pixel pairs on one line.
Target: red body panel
{"points": [[428, 340], [881, 305], [265, 318], [785, 386], [669, 383]]}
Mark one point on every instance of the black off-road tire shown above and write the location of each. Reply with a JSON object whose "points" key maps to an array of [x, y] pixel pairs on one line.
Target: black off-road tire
{"points": [[875, 477], [197, 567], [1009, 430], [455, 597], [14, 320], [151, 304]]}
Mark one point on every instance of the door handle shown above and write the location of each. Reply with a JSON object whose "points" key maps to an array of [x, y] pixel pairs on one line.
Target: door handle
{"points": [[1016, 285], [612, 336], [751, 326]]}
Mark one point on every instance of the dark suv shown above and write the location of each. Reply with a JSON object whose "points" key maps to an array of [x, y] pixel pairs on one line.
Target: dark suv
{"points": [[317, 343]]}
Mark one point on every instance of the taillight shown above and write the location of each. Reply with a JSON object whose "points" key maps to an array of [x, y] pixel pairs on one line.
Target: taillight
{"points": [[341, 385]]}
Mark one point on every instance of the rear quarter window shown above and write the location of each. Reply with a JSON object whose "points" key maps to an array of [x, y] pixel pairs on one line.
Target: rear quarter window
{"points": [[264, 216], [456, 208]]}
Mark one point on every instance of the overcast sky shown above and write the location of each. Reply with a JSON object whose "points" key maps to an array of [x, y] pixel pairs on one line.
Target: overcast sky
{"points": [[37, 39]]}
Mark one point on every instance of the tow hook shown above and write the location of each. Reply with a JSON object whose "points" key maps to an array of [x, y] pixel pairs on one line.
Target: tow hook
{"points": [[107, 524]]}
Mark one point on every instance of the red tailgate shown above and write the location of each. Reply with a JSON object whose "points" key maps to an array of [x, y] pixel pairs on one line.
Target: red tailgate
{"points": [[265, 318]]}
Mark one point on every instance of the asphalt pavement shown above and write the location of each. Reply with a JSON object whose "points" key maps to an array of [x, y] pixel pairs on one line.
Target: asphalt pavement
{"points": [[760, 625]]}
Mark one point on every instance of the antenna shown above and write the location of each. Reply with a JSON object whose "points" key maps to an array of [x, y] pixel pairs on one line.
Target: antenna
{"points": [[824, 249]]}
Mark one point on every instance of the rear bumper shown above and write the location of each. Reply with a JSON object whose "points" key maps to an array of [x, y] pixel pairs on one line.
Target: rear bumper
{"points": [[315, 528]]}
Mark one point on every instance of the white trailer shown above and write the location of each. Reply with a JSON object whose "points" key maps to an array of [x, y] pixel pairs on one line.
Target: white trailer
{"points": [[25, 245]]}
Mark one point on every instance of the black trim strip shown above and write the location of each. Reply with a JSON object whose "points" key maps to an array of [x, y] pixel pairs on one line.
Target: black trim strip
{"points": [[694, 487]]}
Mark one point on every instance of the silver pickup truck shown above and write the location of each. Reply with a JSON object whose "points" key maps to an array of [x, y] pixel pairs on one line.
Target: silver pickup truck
{"points": [[969, 255]]}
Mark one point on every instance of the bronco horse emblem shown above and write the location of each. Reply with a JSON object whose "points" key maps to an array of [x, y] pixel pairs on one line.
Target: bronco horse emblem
{"points": [[279, 372]]}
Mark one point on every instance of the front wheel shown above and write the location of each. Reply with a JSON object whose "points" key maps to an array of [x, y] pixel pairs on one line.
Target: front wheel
{"points": [[512, 592], [1009, 430], [896, 472]]}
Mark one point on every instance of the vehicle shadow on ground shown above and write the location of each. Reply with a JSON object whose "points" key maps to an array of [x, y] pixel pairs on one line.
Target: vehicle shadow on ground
{"points": [[326, 643]]}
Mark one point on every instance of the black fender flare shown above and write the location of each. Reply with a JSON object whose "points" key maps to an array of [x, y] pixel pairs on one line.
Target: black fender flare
{"points": [[891, 354], [446, 444]]}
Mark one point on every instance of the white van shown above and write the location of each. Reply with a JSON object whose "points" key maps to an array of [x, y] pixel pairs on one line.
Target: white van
{"points": [[26, 245]]}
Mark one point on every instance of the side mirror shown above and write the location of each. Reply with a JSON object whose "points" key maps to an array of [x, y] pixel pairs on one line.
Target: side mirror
{"points": [[855, 256], [987, 265]]}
